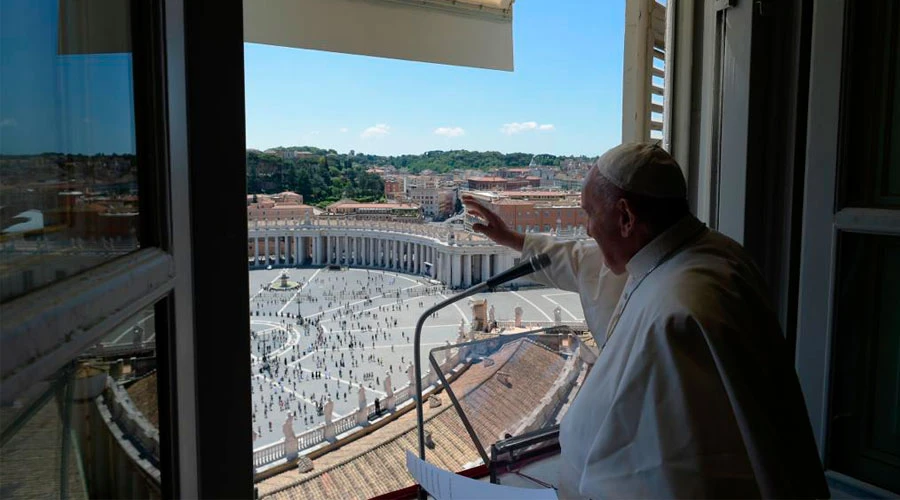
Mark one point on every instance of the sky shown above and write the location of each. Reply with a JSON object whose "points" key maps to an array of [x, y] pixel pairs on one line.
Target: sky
{"points": [[564, 96]]}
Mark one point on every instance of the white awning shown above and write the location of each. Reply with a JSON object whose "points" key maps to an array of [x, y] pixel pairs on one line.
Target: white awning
{"points": [[476, 33]]}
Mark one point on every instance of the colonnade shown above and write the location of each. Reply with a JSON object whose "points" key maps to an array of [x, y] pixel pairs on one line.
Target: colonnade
{"points": [[455, 265]]}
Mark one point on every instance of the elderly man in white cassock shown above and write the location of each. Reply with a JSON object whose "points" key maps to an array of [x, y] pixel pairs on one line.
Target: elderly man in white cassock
{"points": [[693, 393]]}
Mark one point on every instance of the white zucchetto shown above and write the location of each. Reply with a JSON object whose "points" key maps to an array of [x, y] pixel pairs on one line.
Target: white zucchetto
{"points": [[644, 169]]}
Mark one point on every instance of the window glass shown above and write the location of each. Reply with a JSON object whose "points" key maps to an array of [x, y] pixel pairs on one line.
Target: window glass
{"points": [[62, 436], [864, 440], [870, 166], [68, 171]]}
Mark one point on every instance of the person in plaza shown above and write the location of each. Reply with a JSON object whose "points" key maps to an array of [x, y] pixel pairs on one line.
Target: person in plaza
{"points": [[693, 393]]}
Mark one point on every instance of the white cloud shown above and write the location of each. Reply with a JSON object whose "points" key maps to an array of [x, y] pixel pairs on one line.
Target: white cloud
{"points": [[378, 130], [519, 127], [450, 131], [344, 130]]}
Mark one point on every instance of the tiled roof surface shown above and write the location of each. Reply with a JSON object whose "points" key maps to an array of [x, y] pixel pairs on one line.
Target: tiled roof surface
{"points": [[144, 396], [376, 464]]}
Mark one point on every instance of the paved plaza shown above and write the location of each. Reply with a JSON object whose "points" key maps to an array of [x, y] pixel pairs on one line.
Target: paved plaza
{"points": [[337, 330]]}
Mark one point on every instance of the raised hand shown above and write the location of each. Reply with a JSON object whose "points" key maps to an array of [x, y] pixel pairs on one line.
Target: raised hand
{"points": [[492, 226]]}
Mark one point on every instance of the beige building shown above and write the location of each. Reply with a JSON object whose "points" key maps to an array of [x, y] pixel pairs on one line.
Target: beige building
{"points": [[284, 206], [390, 211]]}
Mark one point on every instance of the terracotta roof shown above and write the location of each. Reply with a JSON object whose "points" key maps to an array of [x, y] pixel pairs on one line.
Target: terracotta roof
{"points": [[520, 194], [376, 464], [513, 202], [340, 204], [144, 395], [489, 179], [293, 206]]}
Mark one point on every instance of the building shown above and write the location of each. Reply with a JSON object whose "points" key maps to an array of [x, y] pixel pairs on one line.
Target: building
{"points": [[558, 212], [387, 211], [394, 188], [487, 183], [285, 206]]}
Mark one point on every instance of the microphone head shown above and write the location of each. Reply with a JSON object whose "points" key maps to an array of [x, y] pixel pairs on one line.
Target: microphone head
{"points": [[540, 261]]}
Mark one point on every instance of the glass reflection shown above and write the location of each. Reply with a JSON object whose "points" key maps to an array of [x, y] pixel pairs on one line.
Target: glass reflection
{"points": [[68, 170]]}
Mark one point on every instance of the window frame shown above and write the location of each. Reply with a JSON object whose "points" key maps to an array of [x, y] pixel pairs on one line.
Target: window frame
{"points": [[823, 223], [185, 242]]}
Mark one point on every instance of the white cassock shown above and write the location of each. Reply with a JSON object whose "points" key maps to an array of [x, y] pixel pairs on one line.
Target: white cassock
{"points": [[694, 394]]}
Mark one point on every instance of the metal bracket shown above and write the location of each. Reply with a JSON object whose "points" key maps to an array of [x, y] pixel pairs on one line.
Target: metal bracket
{"points": [[721, 5]]}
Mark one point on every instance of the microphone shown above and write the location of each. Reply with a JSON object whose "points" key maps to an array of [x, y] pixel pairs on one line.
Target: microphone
{"points": [[534, 263]]}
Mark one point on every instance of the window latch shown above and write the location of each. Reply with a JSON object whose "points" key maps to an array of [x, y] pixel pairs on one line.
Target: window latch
{"points": [[721, 5]]}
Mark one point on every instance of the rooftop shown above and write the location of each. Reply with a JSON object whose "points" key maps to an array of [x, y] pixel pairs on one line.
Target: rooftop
{"points": [[353, 204], [348, 471], [488, 179]]}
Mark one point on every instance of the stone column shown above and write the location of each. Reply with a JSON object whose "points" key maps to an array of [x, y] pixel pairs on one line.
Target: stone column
{"points": [[485, 267], [438, 272], [304, 249], [315, 250], [395, 250], [449, 258], [334, 255], [266, 239], [255, 252], [467, 270]]}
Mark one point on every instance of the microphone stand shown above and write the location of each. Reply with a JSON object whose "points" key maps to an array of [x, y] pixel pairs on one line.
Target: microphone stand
{"points": [[417, 362], [531, 265], [417, 359]]}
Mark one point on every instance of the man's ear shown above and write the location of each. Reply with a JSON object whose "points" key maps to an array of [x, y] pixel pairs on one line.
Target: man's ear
{"points": [[626, 218]]}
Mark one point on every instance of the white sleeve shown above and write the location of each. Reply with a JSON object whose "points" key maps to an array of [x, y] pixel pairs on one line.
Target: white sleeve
{"points": [[568, 259]]}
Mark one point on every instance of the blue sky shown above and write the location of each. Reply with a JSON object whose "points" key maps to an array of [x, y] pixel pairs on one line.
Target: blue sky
{"points": [[564, 97]]}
